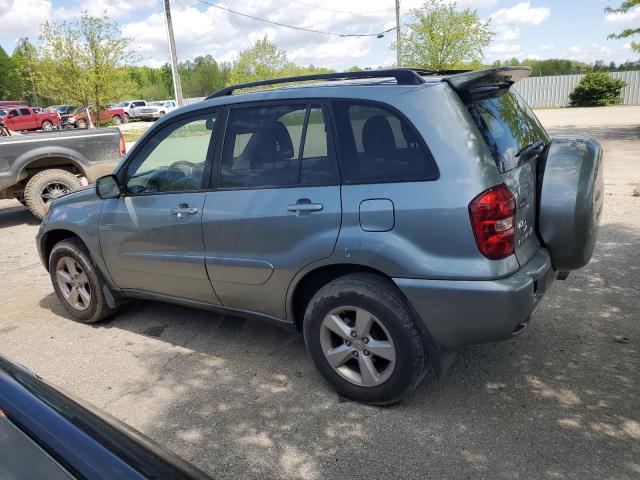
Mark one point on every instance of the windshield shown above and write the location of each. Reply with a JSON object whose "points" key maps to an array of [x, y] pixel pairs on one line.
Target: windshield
{"points": [[79, 110], [122, 104], [508, 125], [156, 104]]}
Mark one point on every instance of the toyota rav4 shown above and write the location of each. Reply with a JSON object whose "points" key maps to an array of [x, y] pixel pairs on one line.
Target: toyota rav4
{"points": [[393, 216]]}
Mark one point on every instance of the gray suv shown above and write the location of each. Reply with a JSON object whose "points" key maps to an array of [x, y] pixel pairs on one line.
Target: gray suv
{"points": [[393, 216]]}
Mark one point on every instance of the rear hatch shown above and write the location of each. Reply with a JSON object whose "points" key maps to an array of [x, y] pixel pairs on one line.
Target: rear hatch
{"points": [[515, 138]]}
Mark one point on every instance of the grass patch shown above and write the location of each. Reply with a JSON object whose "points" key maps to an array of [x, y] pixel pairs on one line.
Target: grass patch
{"points": [[132, 136]]}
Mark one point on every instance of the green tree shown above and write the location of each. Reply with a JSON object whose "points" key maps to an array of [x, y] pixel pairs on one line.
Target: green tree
{"points": [[201, 76], [10, 82], [26, 65], [85, 61], [597, 89], [627, 32], [440, 36], [263, 61]]}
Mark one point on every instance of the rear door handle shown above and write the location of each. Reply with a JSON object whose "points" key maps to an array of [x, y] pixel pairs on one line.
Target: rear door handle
{"points": [[305, 207], [183, 210]]}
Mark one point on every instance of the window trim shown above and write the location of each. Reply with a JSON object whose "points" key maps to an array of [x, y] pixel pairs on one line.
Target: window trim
{"points": [[402, 117], [137, 150], [308, 102]]}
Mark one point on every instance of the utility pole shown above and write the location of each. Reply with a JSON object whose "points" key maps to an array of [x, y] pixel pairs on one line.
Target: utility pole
{"points": [[398, 46], [177, 86]]}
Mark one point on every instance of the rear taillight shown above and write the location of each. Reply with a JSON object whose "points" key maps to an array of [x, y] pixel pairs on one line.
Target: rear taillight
{"points": [[123, 146], [492, 218]]}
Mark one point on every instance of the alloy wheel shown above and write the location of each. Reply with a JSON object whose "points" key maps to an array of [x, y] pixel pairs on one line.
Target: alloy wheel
{"points": [[73, 283], [53, 190], [357, 346]]}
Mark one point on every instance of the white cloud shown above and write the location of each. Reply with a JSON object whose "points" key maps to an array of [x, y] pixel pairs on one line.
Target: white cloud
{"points": [[629, 16], [223, 35], [507, 33], [589, 53], [547, 46], [22, 18], [504, 48], [521, 13]]}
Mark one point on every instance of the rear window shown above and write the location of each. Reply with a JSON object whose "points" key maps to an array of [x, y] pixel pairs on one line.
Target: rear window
{"points": [[507, 125], [378, 145]]}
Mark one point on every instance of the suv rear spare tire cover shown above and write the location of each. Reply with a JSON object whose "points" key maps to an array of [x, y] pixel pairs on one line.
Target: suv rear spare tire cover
{"points": [[571, 196]]}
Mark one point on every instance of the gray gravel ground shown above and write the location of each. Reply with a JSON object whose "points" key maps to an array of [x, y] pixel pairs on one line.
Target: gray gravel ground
{"points": [[241, 399]]}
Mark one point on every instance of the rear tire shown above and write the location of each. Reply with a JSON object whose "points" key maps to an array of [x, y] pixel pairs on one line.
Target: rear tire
{"points": [[117, 120], [126, 118], [70, 265], [46, 185], [81, 123], [397, 359]]}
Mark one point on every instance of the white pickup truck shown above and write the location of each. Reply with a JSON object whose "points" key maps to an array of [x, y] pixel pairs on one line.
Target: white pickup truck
{"points": [[155, 110], [129, 107]]}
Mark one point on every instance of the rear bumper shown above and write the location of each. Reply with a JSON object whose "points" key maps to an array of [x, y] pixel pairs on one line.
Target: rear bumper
{"points": [[460, 312]]}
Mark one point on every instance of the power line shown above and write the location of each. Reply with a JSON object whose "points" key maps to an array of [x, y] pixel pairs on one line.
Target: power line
{"points": [[378, 34], [340, 11]]}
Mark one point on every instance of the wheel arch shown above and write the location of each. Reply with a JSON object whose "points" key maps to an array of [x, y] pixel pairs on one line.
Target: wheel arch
{"points": [[309, 281], [45, 161], [51, 238]]}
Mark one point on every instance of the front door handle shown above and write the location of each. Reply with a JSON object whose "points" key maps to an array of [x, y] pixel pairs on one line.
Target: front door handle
{"points": [[304, 206], [183, 210]]}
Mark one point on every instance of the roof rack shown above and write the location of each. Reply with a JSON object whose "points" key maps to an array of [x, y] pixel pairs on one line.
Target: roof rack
{"points": [[404, 76]]}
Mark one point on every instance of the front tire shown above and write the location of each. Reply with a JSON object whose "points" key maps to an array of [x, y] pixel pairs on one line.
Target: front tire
{"points": [[47, 185], [362, 337], [77, 282], [81, 123], [47, 126], [117, 120]]}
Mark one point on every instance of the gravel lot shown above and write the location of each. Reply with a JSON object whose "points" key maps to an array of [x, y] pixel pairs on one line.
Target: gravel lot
{"points": [[241, 399]]}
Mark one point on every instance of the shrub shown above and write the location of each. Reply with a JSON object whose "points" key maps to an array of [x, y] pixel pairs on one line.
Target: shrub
{"points": [[597, 89]]}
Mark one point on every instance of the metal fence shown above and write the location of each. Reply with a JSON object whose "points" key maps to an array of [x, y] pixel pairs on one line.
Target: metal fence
{"points": [[189, 101], [554, 91]]}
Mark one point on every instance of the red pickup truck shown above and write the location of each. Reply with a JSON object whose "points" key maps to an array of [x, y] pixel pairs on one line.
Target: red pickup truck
{"points": [[24, 118], [79, 117]]}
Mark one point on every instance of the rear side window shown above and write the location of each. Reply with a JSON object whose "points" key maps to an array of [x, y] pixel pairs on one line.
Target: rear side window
{"points": [[378, 145], [277, 146], [507, 125]]}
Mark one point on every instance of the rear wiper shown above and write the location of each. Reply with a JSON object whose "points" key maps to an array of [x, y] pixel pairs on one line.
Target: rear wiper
{"points": [[525, 152]]}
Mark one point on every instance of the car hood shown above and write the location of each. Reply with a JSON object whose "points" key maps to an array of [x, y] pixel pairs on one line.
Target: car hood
{"points": [[83, 194]]}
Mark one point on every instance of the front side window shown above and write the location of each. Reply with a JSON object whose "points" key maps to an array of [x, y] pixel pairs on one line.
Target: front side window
{"points": [[283, 145], [377, 145], [25, 111], [507, 125], [174, 159]]}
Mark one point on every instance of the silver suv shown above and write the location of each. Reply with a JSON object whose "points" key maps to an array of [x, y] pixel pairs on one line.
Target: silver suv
{"points": [[393, 216]]}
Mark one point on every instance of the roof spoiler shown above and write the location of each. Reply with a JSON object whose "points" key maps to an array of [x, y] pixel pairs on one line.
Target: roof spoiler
{"points": [[479, 84]]}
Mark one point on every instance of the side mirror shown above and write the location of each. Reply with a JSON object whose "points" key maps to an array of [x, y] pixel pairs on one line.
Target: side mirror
{"points": [[108, 187], [210, 123]]}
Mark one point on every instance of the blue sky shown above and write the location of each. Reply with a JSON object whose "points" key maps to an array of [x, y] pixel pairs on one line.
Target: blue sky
{"points": [[575, 29]]}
